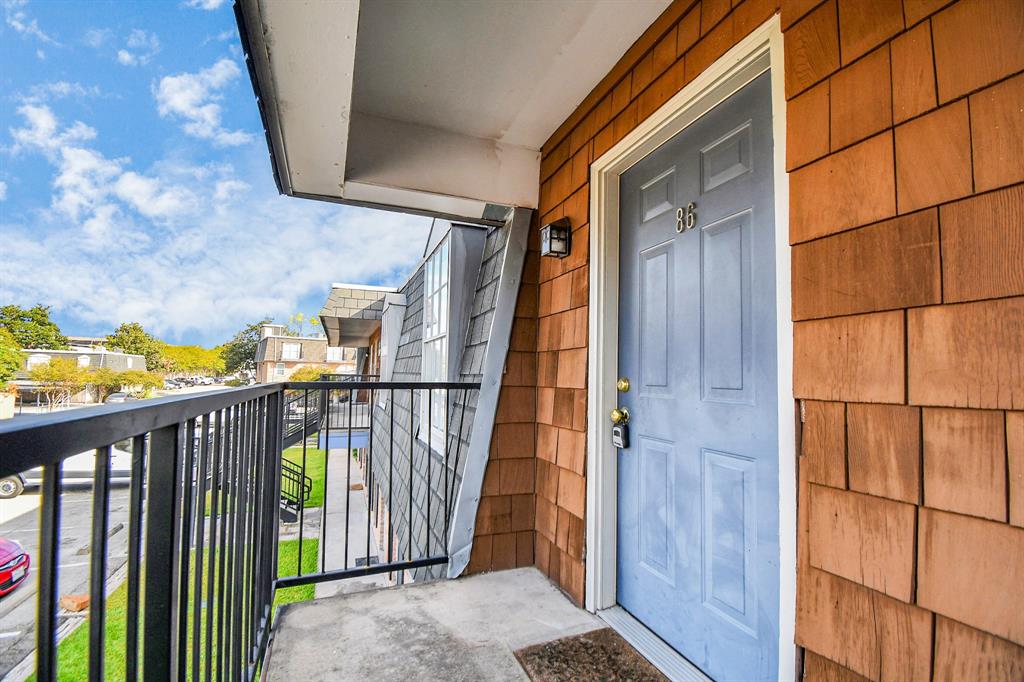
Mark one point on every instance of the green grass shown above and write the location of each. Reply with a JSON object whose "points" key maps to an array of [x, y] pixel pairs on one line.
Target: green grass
{"points": [[73, 651]]}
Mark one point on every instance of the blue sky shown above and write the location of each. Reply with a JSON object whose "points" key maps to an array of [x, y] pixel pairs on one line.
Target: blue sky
{"points": [[135, 182]]}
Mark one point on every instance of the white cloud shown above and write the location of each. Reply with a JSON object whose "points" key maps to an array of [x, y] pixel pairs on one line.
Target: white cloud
{"points": [[42, 131], [181, 247], [204, 4], [226, 190], [140, 47], [53, 90], [3, 190], [21, 22], [227, 34], [194, 97], [97, 37], [90, 188], [152, 198]]}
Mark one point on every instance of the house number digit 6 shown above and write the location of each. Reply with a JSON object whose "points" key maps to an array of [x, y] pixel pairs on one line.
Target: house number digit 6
{"points": [[686, 218]]}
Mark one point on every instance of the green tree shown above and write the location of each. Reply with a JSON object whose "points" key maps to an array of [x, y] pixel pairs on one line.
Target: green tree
{"points": [[139, 383], [192, 359], [307, 373], [10, 357], [130, 337], [59, 380], [105, 381], [32, 327], [240, 352]]}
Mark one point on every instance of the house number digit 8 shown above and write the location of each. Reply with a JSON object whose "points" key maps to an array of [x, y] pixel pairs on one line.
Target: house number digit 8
{"points": [[686, 218]]}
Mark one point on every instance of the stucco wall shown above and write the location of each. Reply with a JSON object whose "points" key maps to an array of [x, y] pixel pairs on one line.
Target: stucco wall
{"points": [[905, 126]]}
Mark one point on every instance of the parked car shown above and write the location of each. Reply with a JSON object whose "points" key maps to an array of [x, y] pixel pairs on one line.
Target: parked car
{"points": [[77, 469], [119, 397], [14, 563]]}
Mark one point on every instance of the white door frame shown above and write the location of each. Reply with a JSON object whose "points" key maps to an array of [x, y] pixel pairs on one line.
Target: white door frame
{"points": [[758, 52]]}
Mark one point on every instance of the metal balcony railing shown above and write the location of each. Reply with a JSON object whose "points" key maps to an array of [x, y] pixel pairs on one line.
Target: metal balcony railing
{"points": [[349, 377], [207, 487]]}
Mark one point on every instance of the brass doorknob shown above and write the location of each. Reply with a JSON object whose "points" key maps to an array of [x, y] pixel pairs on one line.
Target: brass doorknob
{"points": [[619, 415], [622, 385]]}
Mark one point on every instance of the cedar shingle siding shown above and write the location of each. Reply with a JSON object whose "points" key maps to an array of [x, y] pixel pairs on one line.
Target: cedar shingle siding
{"points": [[905, 148], [404, 412]]}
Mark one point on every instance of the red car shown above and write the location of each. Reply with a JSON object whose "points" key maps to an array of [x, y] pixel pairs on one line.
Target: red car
{"points": [[14, 563]]}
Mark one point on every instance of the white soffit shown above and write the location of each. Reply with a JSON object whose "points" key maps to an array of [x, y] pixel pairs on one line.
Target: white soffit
{"points": [[438, 105], [303, 52]]}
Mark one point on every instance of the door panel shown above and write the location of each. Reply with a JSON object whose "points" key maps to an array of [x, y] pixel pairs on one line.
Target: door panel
{"points": [[727, 344], [656, 289], [698, 488]]}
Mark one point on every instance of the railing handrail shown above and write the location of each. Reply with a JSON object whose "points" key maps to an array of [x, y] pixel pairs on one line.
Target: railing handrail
{"points": [[380, 385], [38, 440]]}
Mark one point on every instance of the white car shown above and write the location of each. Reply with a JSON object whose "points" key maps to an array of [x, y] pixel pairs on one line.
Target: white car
{"points": [[78, 469]]}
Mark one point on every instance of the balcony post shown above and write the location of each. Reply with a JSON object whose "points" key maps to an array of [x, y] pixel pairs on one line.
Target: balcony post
{"points": [[163, 517]]}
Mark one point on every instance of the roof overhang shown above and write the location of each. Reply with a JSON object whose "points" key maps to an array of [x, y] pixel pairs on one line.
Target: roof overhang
{"points": [[352, 313], [437, 106]]}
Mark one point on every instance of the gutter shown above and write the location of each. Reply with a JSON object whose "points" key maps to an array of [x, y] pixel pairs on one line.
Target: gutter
{"points": [[250, 65]]}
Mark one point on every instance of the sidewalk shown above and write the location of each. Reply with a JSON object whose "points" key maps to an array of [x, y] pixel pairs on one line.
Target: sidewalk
{"points": [[336, 521]]}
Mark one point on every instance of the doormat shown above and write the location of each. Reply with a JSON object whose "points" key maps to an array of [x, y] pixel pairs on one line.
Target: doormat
{"points": [[598, 655]]}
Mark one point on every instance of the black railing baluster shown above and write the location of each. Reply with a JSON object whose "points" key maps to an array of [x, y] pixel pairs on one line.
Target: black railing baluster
{"points": [[245, 547], [162, 534], [200, 529], [135, 497], [188, 469], [391, 471], [444, 482], [98, 564], [254, 517], [237, 558], [348, 475], [301, 495], [211, 585], [325, 404], [368, 482], [224, 550], [412, 439], [49, 557], [458, 444], [248, 547], [430, 456], [227, 551]]}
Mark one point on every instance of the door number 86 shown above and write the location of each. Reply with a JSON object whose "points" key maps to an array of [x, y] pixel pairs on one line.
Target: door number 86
{"points": [[686, 218]]}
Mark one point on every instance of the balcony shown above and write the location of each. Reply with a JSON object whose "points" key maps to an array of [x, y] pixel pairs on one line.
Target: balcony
{"points": [[212, 497]]}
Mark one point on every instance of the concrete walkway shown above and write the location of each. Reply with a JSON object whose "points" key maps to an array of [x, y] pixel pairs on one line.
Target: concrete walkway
{"points": [[463, 629], [332, 535]]}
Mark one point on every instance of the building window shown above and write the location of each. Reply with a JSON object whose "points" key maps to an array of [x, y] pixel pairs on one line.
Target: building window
{"points": [[279, 369], [291, 351], [37, 360], [435, 339], [131, 363], [335, 354], [83, 360]]}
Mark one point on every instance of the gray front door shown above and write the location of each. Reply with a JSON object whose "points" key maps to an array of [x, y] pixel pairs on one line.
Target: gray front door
{"points": [[698, 512]]}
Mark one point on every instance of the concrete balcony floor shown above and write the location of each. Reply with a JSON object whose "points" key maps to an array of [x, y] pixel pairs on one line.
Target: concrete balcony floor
{"points": [[463, 629]]}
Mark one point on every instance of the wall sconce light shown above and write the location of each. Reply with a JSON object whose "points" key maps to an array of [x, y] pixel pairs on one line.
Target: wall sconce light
{"points": [[555, 238]]}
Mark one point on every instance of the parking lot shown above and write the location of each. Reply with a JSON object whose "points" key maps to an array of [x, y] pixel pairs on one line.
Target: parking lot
{"points": [[19, 520]]}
